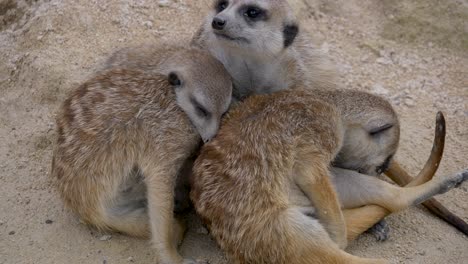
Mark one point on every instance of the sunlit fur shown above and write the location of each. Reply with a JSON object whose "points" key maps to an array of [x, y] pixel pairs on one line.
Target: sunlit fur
{"points": [[260, 62], [255, 183], [124, 135]]}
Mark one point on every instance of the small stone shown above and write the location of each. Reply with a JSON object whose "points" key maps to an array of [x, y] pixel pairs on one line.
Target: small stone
{"points": [[379, 89], [350, 32], [48, 221], [422, 253], [131, 259], [12, 233], [148, 24], [383, 61], [325, 47], [163, 3], [409, 102], [105, 238]]}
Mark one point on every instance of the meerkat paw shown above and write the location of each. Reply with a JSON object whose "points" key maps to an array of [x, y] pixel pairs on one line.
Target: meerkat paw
{"points": [[381, 230], [453, 181], [444, 185]]}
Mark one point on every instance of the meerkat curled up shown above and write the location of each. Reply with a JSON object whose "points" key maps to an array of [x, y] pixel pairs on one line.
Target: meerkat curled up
{"points": [[124, 135], [257, 183]]}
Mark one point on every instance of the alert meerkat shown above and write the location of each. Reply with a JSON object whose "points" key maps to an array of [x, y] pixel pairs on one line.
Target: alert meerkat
{"points": [[258, 181], [124, 135], [262, 47]]}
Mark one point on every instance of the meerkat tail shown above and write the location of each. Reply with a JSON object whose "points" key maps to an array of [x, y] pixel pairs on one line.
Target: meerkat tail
{"points": [[441, 211], [402, 178], [399, 175], [432, 164]]}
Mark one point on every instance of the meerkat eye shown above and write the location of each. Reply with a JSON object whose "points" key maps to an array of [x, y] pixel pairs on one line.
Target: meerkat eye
{"points": [[174, 79], [202, 111], [199, 109], [221, 5], [253, 12], [380, 129]]}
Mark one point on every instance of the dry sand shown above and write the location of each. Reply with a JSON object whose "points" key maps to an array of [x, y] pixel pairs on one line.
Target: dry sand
{"points": [[415, 53]]}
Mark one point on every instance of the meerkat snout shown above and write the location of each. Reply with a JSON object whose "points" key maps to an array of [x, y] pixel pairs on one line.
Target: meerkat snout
{"points": [[218, 23], [204, 100]]}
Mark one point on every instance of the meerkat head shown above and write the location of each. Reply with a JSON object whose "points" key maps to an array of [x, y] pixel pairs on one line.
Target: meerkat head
{"points": [[203, 89], [370, 146], [260, 26]]}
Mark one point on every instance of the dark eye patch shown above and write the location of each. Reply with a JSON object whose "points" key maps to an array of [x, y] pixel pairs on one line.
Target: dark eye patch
{"points": [[290, 32], [201, 111], [254, 13], [221, 5], [380, 129]]}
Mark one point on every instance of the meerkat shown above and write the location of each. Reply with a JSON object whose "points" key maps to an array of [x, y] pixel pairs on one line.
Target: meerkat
{"points": [[259, 181], [124, 135], [262, 47]]}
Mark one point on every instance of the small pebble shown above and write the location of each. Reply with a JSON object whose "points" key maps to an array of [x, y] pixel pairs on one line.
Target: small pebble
{"points": [[12, 233], [130, 259], [48, 221], [105, 238]]}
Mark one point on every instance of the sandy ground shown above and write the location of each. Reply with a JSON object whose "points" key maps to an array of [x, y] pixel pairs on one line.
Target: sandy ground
{"points": [[415, 53]]}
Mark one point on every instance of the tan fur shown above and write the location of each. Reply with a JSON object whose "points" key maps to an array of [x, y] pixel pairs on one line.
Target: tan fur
{"points": [[255, 182], [124, 135], [264, 64]]}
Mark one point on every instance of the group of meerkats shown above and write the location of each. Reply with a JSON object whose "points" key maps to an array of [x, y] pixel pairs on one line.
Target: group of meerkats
{"points": [[287, 175]]}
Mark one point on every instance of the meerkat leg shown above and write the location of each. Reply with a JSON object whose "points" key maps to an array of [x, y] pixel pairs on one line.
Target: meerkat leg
{"points": [[359, 220], [357, 190], [313, 179], [165, 229]]}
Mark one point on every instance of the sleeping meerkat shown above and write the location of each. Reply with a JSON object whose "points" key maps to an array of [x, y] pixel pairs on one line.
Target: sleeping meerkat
{"points": [[255, 183], [124, 135], [260, 44]]}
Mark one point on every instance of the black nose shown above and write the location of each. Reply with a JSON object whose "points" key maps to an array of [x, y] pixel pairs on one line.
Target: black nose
{"points": [[218, 23]]}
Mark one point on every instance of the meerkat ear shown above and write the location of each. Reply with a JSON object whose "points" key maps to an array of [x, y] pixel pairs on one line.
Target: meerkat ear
{"points": [[174, 79], [290, 32]]}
